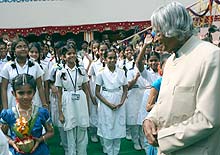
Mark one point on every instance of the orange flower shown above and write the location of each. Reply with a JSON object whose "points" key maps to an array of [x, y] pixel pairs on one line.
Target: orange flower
{"points": [[22, 125]]}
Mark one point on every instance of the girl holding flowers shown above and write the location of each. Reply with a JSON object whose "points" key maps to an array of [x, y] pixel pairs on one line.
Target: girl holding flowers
{"points": [[26, 120]]}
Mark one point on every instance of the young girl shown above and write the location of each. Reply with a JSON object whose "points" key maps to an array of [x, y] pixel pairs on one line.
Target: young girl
{"points": [[111, 109], [19, 65], [73, 97], [56, 64], [129, 62], [95, 67], [152, 98], [150, 74], [24, 87], [35, 54]]}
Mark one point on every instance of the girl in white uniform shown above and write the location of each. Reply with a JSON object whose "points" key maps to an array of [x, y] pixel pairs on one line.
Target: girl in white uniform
{"points": [[136, 86], [56, 63], [127, 64], [111, 109], [73, 97], [35, 54], [150, 74], [21, 64], [95, 67]]}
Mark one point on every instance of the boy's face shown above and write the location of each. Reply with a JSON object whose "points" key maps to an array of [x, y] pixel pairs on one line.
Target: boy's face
{"points": [[24, 94]]}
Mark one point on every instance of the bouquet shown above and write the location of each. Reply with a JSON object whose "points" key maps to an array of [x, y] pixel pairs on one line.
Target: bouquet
{"points": [[22, 129]]}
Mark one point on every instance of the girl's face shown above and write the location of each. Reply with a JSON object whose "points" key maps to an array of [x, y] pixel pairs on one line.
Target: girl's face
{"points": [[95, 48], [70, 56], [21, 49], [129, 53], [111, 59], [121, 54], [153, 62], [34, 53], [24, 94], [102, 50], [3, 51]]}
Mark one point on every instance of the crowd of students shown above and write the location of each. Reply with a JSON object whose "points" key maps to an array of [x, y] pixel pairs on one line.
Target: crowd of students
{"points": [[99, 88]]}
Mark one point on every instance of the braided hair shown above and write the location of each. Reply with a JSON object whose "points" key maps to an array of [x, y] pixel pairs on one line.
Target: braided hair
{"points": [[13, 46], [64, 50]]}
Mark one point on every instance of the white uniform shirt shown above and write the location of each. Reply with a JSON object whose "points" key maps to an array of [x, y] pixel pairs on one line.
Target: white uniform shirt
{"points": [[95, 67], [2, 63], [128, 64], [72, 80], [111, 80], [150, 75], [8, 72]]}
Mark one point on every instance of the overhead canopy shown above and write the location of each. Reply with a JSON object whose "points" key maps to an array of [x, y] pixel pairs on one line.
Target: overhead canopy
{"points": [[37, 16]]}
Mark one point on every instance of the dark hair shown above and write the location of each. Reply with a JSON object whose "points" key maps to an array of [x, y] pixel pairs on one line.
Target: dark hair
{"points": [[23, 79], [38, 47], [65, 49], [105, 54], [14, 44], [93, 54], [153, 53], [3, 43], [58, 45]]}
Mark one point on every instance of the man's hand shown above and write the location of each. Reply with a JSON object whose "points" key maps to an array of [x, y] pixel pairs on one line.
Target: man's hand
{"points": [[150, 132]]}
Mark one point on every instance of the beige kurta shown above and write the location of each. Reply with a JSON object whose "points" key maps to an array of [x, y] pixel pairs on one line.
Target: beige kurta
{"points": [[188, 109]]}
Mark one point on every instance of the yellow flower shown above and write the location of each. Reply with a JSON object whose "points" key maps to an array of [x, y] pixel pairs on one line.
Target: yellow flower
{"points": [[22, 125]]}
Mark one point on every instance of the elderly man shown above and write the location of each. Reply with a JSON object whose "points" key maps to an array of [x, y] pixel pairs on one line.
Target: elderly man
{"points": [[186, 118]]}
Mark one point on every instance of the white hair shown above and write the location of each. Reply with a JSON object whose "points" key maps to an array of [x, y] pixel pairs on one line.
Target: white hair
{"points": [[173, 20]]}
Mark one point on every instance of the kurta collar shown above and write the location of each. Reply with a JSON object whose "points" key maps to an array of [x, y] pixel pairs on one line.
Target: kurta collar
{"points": [[187, 46]]}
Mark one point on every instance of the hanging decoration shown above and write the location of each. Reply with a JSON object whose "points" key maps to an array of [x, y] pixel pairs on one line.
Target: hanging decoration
{"points": [[207, 13], [76, 29]]}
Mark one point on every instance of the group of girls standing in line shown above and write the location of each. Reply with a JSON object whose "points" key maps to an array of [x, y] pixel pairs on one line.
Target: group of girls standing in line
{"points": [[105, 94]]}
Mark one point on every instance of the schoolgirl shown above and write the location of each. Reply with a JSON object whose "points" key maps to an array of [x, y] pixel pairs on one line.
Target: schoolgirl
{"points": [[128, 62], [111, 110], [136, 87], [55, 64], [73, 97], [35, 54], [96, 66], [150, 73], [3, 60], [20, 64]]}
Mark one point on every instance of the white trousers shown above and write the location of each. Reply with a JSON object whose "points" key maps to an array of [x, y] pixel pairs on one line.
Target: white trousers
{"points": [[137, 134], [77, 141], [63, 137], [112, 146]]}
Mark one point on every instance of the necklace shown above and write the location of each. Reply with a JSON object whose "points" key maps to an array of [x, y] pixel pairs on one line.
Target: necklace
{"points": [[24, 112]]}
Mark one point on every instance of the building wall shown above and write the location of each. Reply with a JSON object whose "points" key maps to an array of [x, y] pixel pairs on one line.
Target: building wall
{"points": [[38, 13]]}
